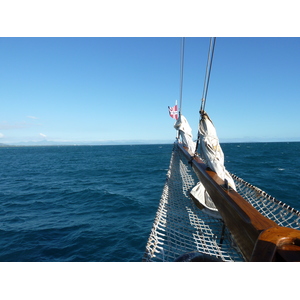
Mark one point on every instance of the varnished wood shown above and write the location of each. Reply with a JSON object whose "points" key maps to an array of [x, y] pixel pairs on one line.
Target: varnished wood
{"points": [[244, 222], [277, 244]]}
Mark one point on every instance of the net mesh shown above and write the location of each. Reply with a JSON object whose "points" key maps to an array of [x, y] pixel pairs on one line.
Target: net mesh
{"points": [[181, 227], [270, 207]]}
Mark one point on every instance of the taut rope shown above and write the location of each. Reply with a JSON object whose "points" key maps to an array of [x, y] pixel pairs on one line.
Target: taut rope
{"points": [[208, 70], [181, 72], [206, 81]]}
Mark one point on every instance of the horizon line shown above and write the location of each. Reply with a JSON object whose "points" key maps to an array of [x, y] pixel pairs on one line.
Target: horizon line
{"points": [[138, 142]]}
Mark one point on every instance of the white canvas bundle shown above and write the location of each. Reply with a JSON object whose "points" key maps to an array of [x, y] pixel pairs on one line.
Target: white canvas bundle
{"points": [[185, 133], [211, 151]]}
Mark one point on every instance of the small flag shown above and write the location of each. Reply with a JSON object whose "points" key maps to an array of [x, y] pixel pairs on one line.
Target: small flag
{"points": [[173, 111]]}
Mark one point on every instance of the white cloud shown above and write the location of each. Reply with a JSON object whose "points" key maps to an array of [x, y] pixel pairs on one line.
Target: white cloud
{"points": [[32, 117], [1, 135], [7, 126], [43, 135]]}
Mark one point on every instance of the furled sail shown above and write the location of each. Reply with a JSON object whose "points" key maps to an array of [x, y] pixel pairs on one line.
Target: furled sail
{"points": [[185, 132], [211, 152]]}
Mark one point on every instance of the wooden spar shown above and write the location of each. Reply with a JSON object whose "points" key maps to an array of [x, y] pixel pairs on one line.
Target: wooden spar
{"points": [[259, 238]]}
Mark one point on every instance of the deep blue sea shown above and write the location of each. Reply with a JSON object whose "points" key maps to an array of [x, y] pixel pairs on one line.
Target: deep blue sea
{"points": [[97, 203]]}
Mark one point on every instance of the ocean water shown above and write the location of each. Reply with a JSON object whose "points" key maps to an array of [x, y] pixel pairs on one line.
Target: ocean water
{"points": [[97, 203]]}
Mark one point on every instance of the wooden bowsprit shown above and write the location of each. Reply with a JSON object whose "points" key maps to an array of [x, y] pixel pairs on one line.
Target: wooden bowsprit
{"points": [[258, 238]]}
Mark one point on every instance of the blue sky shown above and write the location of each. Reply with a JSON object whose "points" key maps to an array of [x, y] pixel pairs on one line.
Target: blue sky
{"points": [[104, 89]]}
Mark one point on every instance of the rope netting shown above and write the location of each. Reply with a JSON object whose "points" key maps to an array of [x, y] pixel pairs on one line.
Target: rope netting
{"points": [[268, 206], [181, 227]]}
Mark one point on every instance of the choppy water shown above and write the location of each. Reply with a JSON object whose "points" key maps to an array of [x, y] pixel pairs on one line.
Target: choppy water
{"points": [[97, 203]]}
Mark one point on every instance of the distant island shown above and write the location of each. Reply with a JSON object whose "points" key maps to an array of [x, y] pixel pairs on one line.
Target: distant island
{"points": [[91, 143]]}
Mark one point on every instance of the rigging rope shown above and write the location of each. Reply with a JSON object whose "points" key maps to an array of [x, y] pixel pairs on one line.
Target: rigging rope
{"points": [[208, 70], [206, 82], [181, 72]]}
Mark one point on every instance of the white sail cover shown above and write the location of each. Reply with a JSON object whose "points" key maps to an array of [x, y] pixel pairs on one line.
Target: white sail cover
{"points": [[185, 132], [211, 150]]}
